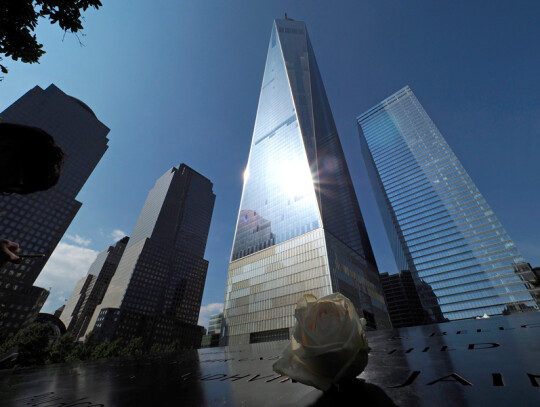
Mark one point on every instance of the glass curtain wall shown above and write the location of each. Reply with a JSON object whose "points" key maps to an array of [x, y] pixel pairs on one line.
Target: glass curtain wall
{"points": [[299, 227], [439, 225]]}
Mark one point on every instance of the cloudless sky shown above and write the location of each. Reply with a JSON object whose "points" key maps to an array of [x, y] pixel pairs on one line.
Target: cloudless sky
{"points": [[178, 81]]}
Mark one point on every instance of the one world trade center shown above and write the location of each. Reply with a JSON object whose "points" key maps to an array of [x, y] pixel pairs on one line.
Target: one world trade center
{"points": [[299, 227]]}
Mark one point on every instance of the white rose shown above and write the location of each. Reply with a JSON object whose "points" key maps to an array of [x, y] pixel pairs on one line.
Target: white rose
{"points": [[328, 344]]}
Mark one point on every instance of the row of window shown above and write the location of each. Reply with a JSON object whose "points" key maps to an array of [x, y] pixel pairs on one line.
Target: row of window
{"points": [[451, 227], [432, 170], [442, 216], [278, 271], [458, 239], [464, 246], [483, 283], [474, 268], [486, 302], [430, 195], [465, 260], [403, 183], [435, 202], [460, 232]]}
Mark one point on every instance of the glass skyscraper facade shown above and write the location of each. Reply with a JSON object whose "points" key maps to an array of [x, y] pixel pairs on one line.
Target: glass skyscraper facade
{"points": [[157, 289], [90, 290], [403, 302], [299, 227], [38, 221], [439, 225]]}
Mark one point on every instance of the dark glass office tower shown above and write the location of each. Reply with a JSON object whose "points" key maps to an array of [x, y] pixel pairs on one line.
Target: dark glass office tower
{"points": [[403, 302], [439, 225], [90, 290], [157, 289], [299, 227], [38, 221]]}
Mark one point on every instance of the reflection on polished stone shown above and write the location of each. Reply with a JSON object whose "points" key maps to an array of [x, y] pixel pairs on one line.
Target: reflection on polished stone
{"points": [[489, 362]]}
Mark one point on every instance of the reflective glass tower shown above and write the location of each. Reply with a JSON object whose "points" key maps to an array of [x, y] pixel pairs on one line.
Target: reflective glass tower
{"points": [[439, 225], [89, 290], [38, 221], [157, 289], [299, 227]]}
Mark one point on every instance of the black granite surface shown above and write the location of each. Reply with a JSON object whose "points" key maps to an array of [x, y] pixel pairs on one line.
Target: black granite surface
{"points": [[488, 362]]}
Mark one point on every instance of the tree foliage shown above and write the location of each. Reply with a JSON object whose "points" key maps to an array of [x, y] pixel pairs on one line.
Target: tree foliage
{"points": [[62, 348], [33, 348], [83, 350], [32, 344], [107, 349], [135, 347], [175, 346], [19, 18]]}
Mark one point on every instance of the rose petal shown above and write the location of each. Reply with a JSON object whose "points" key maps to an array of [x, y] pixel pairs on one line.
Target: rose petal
{"points": [[328, 343]]}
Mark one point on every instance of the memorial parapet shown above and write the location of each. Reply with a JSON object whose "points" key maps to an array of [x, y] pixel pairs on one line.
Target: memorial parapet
{"points": [[488, 362]]}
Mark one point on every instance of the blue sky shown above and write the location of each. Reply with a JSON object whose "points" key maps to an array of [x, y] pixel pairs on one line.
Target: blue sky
{"points": [[178, 81]]}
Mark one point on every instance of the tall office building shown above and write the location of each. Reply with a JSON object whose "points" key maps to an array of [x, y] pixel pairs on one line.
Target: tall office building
{"points": [[214, 325], [90, 290], [212, 337], [38, 221], [403, 302], [157, 289], [439, 225], [299, 227]]}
